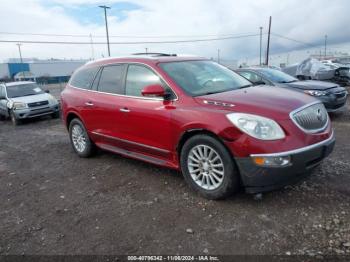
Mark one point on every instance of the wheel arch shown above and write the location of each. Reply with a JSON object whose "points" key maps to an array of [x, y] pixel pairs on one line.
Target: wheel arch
{"points": [[70, 116], [198, 131]]}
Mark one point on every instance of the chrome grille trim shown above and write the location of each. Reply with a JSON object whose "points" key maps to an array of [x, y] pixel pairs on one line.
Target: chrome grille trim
{"points": [[308, 119]]}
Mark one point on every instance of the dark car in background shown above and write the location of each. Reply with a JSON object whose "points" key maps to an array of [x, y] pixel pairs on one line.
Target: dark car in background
{"points": [[332, 95]]}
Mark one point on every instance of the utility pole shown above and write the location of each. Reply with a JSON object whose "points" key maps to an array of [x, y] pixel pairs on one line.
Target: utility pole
{"points": [[325, 46], [21, 59], [92, 48], [268, 43], [261, 28], [105, 9], [219, 56]]}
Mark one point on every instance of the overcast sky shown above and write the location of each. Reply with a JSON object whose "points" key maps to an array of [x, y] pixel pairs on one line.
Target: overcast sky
{"points": [[143, 20]]}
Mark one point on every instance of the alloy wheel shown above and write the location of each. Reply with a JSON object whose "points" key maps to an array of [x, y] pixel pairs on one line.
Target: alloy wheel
{"points": [[78, 138], [205, 167]]}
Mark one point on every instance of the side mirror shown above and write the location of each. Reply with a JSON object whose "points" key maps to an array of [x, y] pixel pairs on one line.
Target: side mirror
{"points": [[258, 83], [47, 91], [153, 91]]}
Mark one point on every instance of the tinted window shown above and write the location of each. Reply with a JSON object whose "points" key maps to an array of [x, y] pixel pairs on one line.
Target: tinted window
{"points": [[84, 77], [203, 77], [139, 77], [111, 80], [23, 90]]}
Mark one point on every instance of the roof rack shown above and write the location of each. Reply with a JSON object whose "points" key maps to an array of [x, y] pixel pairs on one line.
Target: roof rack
{"points": [[155, 54]]}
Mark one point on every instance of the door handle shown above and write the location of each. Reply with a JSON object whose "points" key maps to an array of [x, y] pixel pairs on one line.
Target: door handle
{"points": [[124, 110], [89, 103]]}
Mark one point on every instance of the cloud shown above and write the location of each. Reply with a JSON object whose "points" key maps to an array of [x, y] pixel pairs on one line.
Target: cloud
{"points": [[306, 21]]}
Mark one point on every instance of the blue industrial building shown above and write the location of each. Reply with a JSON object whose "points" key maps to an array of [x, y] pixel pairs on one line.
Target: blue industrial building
{"points": [[42, 71]]}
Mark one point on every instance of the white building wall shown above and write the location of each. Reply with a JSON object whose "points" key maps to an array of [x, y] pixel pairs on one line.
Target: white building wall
{"points": [[4, 71], [52, 69]]}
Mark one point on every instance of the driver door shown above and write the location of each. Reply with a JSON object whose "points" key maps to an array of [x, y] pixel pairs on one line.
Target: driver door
{"points": [[147, 120]]}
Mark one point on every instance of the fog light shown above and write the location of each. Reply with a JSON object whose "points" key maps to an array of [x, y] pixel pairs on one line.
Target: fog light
{"points": [[273, 161]]}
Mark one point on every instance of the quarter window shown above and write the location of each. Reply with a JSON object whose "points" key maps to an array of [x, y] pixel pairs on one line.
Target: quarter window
{"points": [[139, 77], [84, 77], [111, 80]]}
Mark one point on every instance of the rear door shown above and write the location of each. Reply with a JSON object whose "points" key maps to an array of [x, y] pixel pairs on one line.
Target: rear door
{"points": [[147, 125], [108, 91], [81, 98]]}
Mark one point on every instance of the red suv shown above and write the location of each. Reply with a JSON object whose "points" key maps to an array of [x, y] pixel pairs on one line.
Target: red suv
{"points": [[194, 115]]}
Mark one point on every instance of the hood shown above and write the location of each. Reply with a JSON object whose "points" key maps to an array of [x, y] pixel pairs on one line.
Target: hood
{"points": [[32, 99], [269, 101], [312, 85]]}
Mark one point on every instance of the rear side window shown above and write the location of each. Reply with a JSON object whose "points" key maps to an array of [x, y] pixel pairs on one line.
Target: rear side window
{"points": [[139, 77], [111, 79], [84, 77]]}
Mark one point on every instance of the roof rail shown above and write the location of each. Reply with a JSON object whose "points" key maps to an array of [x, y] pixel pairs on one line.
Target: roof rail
{"points": [[155, 54]]}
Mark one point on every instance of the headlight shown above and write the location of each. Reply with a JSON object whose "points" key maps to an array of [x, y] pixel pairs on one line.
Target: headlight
{"points": [[257, 126], [315, 92], [19, 105], [52, 100]]}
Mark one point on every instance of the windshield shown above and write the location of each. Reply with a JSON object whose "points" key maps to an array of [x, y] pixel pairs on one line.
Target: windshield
{"points": [[203, 77], [23, 90], [277, 76]]}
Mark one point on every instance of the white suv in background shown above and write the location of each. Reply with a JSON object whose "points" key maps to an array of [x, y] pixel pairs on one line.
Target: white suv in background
{"points": [[23, 100]]}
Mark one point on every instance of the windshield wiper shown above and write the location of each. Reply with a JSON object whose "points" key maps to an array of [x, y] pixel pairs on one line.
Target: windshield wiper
{"points": [[245, 86], [29, 95], [286, 82], [209, 93]]}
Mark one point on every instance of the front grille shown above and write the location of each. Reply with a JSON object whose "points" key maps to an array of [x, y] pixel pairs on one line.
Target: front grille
{"points": [[35, 104], [311, 119]]}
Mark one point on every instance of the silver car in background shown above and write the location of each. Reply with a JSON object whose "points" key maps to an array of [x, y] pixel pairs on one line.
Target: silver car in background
{"points": [[24, 100]]}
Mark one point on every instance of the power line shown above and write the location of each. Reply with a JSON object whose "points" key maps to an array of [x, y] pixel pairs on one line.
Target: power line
{"points": [[116, 36], [128, 42], [294, 40]]}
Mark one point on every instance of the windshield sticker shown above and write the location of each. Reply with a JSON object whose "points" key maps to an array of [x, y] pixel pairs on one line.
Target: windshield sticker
{"points": [[37, 89]]}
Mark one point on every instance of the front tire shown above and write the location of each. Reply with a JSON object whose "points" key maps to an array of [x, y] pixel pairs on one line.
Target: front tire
{"points": [[15, 121], [80, 140], [208, 167]]}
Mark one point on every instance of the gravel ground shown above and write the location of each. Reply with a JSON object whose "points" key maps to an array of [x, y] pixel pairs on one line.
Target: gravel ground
{"points": [[53, 202]]}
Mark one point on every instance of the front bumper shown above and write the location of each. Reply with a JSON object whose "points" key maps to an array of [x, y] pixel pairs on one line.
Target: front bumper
{"points": [[257, 179], [334, 104], [36, 111]]}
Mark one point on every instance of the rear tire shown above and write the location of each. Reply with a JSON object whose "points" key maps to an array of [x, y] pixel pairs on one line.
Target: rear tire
{"points": [[208, 167], [15, 121], [80, 140]]}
